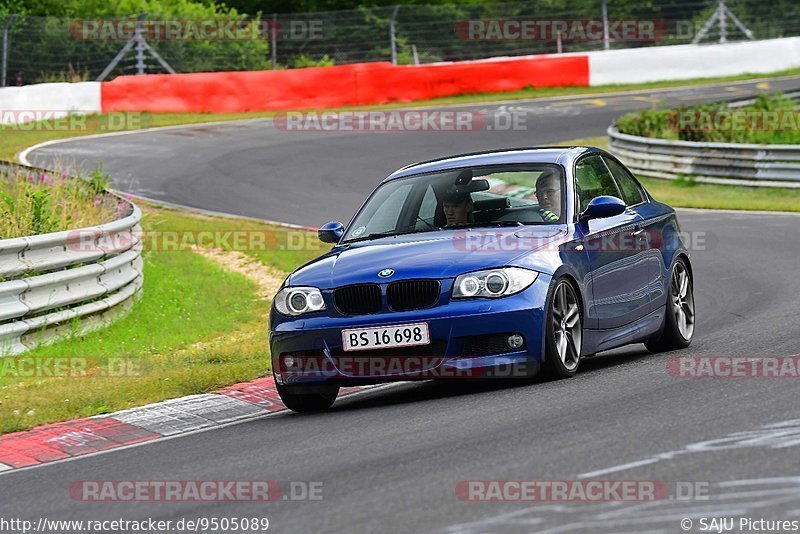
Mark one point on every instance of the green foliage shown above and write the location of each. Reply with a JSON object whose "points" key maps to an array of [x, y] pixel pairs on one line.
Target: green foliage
{"points": [[41, 220], [715, 123], [772, 102], [98, 181], [40, 203], [352, 30], [12, 6], [685, 180], [648, 123], [304, 61], [47, 43], [69, 74]]}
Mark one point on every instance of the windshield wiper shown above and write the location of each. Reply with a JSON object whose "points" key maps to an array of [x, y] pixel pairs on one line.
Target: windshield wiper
{"points": [[390, 233], [432, 227]]}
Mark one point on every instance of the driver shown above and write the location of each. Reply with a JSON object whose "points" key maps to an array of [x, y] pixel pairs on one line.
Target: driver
{"points": [[548, 193], [457, 208]]}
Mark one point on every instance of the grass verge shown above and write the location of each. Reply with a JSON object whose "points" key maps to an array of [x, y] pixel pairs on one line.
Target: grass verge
{"points": [[199, 327], [691, 194]]}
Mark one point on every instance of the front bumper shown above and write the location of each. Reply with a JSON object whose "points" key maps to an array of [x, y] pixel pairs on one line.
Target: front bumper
{"points": [[316, 340]]}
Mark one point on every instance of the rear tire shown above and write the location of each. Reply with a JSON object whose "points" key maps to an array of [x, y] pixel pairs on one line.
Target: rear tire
{"points": [[679, 315], [310, 400], [563, 332]]}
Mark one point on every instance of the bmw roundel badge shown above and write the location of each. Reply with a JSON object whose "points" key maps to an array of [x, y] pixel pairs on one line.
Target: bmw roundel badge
{"points": [[386, 273]]}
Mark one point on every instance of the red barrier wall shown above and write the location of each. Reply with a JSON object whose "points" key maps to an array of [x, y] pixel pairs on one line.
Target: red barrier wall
{"points": [[319, 87]]}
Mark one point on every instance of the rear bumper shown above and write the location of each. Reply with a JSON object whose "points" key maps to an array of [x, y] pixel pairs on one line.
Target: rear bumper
{"points": [[317, 342]]}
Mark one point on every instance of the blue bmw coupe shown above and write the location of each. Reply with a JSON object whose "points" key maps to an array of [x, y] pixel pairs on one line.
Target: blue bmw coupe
{"points": [[507, 263]]}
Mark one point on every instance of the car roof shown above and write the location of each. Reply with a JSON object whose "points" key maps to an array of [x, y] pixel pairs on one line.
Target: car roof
{"points": [[562, 155]]}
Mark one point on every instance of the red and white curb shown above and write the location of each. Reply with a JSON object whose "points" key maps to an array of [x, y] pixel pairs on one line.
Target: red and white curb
{"points": [[70, 439]]}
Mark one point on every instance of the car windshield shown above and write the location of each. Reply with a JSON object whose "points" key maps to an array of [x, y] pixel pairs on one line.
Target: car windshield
{"points": [[499, 195]]}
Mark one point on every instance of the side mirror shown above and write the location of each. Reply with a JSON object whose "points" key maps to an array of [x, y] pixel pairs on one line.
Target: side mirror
{"points": [[331, 232], [603, 206]]}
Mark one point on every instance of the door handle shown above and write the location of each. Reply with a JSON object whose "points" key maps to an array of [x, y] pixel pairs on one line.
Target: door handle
{"points": [[640, 236]]}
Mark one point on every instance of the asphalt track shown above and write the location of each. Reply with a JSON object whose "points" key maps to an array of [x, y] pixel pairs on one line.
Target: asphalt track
{"points": [[390, 459], [309, 178]]}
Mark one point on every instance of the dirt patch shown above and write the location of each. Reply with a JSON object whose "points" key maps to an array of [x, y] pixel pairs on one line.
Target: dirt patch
{"points": [[267, 278]]}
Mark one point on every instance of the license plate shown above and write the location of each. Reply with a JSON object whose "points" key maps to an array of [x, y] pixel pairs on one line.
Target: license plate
{"points": [[384, 337]]}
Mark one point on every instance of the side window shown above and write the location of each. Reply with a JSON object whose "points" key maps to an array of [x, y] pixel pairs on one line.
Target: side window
{"points": [[631, 192], [427, 210], [592, 179]]}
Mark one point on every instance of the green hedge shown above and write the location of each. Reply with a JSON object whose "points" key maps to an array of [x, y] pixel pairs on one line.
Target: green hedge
{"points": [[771, 119]]}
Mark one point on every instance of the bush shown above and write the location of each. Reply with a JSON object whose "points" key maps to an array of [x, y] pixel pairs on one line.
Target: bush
{"points": [[699, 123], [301, 62], [648, 123], [49, 48], [39, 203]]}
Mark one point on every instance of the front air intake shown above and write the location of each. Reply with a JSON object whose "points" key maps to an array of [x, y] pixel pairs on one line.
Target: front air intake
{"points": [[358, 299], [412, 294]]}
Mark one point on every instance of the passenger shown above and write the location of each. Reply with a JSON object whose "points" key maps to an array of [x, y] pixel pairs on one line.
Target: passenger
{"points": [[548, 193]]}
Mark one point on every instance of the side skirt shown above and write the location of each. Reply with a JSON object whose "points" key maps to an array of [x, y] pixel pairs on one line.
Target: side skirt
{"points": [[637, 331]]}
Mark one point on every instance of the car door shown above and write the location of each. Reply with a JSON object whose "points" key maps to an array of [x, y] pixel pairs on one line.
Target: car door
{"points": [[619, 277], [649, 235]]}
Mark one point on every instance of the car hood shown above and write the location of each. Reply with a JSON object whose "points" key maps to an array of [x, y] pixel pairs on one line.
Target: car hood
{"points": [[439, 254]]}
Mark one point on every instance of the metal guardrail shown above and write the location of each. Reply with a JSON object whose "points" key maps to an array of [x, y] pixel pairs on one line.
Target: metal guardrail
{"points": [[57, 284], [719, 163]]}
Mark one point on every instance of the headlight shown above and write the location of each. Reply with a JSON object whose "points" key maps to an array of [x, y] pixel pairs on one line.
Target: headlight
{"points": [[298, 300], [493, 282]]}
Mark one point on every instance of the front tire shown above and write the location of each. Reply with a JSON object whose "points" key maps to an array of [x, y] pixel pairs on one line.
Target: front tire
{"points": [[679, 315], [563, 332], [304, 400]]}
